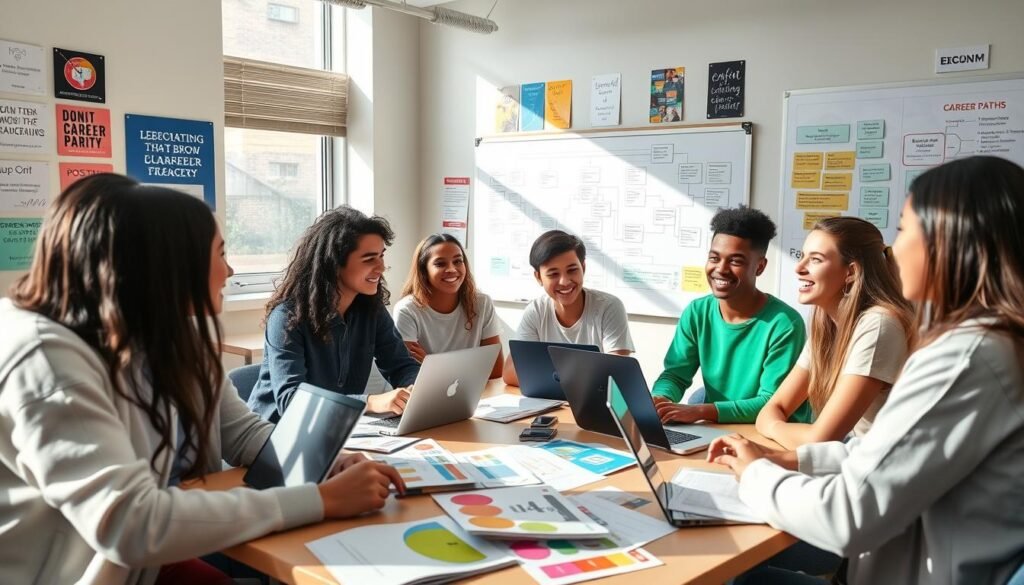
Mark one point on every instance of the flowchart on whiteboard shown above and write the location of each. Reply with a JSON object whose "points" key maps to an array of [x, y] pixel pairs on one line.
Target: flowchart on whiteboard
{"points": [[857, 151], [641, 203]]}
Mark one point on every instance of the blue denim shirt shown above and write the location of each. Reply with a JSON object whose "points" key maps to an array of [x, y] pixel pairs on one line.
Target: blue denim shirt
{"points": [[342, 364]]}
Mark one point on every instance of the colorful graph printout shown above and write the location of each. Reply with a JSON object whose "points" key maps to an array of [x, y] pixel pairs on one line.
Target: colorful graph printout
{"points": [[537, 511], [432, 549]]}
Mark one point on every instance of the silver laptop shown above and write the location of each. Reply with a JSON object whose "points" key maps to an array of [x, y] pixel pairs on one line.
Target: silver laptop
{"points": [[663, 490], [447, 390]]}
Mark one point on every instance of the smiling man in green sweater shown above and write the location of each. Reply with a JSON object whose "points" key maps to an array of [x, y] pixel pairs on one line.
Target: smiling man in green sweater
{"points": [[744, 341]]}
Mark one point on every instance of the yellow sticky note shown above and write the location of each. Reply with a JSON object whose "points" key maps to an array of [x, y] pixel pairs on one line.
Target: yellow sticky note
{"points": [[806, 161], [806, 179], [816, 200], [813, 217], [558, 104], [694, 280], [842, 160], [837, 181]]}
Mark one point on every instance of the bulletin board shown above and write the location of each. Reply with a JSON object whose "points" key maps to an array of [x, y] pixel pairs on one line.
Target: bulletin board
{"points": [[641, 199], [855, 150]]}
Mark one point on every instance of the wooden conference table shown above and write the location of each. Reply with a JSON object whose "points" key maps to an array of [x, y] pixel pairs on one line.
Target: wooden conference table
{"points": [[691, 555]]}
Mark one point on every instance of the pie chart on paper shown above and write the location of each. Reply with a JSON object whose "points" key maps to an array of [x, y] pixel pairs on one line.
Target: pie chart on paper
{"points": [[434, 541]]}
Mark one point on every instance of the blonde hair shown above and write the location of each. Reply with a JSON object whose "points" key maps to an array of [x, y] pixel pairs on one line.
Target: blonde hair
{"points": [[875, 283], [417, 283]]}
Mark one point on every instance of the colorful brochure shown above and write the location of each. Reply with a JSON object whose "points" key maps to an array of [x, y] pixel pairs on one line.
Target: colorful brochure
{"points": [[432, 550], [530, 511]]}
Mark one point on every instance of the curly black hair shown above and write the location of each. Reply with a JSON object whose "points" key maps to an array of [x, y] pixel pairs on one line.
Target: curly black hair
{"points": [[747, 223], [310, 283]]}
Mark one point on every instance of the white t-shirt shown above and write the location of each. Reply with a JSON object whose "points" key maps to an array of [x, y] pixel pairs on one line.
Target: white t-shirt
{"points": [[603, 323], [441, 332], [878, 350]]}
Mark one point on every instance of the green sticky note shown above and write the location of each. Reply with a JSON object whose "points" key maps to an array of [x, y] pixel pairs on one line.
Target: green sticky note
{"points": [[870, 129], [872, 173], [871, 149], [911, 175], [17, 239], [874, 196], [499, 266], [838, 134], [879, 217]]}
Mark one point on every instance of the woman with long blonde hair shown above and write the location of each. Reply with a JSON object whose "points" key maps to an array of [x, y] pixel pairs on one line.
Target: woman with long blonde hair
{"points": [[859, 340]]}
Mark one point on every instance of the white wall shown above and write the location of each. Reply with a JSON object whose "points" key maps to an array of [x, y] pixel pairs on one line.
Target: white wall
{"points": [[165, 58], [788, 44], [162, 58]]}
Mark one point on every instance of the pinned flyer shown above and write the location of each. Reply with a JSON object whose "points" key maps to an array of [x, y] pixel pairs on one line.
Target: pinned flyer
{"points": [[455, 208]]}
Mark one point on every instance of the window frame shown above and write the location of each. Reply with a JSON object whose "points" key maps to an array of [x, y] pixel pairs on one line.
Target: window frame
{"points": [[333, 164], [273, 7]]}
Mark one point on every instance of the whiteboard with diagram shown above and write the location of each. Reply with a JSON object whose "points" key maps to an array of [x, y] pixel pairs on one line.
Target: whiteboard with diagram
{"points": [[641, 200], [855, 151]]}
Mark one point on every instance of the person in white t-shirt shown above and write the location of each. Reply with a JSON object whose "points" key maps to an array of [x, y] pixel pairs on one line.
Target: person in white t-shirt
{"points": [[569, 313], [860, 335], [440, 309]]}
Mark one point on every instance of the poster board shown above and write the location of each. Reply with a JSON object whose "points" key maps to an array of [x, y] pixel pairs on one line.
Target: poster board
{"points": [[856, 150], [641, 199]]}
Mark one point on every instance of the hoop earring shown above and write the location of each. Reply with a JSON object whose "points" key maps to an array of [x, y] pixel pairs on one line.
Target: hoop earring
{"points": [[847, 289]]}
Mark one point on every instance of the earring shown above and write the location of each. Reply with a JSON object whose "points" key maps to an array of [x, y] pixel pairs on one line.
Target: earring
{"points": [[847, 289]]}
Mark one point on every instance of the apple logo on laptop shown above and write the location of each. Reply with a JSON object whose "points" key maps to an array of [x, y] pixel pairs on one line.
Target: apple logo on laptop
{"points": [[453, 388]]}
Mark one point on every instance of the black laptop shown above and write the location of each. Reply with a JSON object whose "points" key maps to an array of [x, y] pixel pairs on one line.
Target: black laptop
{"points": [[537, 376], [584, 378], [306, 440]]}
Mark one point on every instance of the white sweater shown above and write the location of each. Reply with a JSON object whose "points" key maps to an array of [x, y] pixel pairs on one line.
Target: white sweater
{"points": [[79, 502], [934, 492]]}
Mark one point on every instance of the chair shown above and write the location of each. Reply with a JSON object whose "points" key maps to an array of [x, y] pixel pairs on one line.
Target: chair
{"points": [[244, 379]]}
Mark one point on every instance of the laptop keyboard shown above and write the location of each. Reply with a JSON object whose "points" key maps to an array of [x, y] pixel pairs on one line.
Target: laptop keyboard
{"points": [[382, 419], [677, 438]]}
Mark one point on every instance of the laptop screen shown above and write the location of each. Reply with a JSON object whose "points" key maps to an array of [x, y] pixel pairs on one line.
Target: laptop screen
{"points": [[631, 433], [304, 443]]}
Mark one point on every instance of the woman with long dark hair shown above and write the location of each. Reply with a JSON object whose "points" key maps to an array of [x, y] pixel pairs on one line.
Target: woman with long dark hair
{"points": [[931, 494], [111, 391], [441, 308], [859, 336], [327, 323]]}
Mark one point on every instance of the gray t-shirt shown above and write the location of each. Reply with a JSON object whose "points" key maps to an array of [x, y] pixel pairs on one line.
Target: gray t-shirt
{"points": [[878, 349], [441, 332], [603, 323]]}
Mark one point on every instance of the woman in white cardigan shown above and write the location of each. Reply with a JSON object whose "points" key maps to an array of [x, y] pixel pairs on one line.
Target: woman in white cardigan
{"points": [[933, 492], [111, 391]]}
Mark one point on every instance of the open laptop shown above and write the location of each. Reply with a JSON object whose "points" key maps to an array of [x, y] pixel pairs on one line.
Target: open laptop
{"points": [[537, 376], [447, 390], [584, 378], [304, 443], [662, 490]]}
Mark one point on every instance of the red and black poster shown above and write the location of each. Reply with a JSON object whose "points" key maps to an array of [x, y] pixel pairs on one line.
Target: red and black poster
{"points": [[79, 76]]}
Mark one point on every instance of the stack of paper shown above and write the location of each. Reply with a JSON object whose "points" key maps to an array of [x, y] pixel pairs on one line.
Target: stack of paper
{"points": [[379, 444], [492, 468], [594, 458], [549, 468], [571, 561], [505, 408], [432, 550], [426, 467], [711, 494], [531, 511]]}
